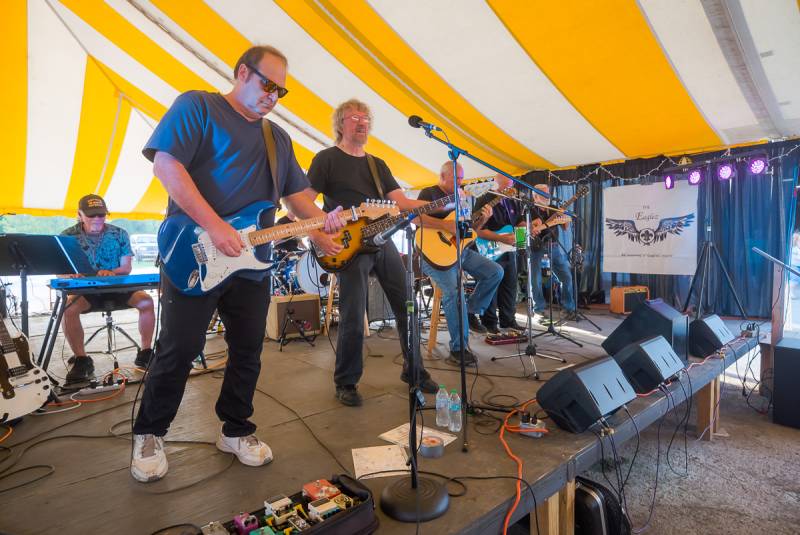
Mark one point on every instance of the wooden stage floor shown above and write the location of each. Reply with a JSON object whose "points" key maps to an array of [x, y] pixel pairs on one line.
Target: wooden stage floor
{"points": [[91, 489]]}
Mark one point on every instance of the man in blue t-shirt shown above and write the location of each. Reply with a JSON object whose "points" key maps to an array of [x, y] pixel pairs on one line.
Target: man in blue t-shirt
{"points": [[209, 153], [108, 249]]}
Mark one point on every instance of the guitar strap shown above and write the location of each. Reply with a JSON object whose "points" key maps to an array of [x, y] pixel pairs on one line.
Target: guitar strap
{"points": [[272, 158], [373, 169]]}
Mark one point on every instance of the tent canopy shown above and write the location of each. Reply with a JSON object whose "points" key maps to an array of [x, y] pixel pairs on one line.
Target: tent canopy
{"points": [[523, 85]]}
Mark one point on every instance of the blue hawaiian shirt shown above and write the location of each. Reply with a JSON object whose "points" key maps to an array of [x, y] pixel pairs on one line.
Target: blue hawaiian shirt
{"points": [[105, 250]]}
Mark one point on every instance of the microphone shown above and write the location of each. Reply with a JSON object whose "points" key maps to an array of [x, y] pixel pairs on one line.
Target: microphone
{"points": [[382, 237], [417, 122]]}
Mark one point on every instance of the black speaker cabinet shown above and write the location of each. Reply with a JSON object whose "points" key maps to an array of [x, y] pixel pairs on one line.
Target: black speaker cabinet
{"points": [[378, 307], [648, 363], [577, 397], [707, 335], [649, 319], [786, 383], [301, 308]]}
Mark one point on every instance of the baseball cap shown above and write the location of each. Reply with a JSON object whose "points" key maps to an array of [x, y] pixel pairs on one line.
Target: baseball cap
{"points": [[92, 205]]}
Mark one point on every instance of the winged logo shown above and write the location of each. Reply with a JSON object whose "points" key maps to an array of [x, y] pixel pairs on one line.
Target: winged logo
{"points": [[649, 236]]}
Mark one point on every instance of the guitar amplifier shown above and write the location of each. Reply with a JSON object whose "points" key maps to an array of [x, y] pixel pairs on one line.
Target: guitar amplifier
{"points": [[378, 308], [625, 298], [302, 308]]}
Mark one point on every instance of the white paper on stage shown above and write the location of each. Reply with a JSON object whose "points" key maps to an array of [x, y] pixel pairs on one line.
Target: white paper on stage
{"points": [[399, 435], [650, 229], [380, 459]]}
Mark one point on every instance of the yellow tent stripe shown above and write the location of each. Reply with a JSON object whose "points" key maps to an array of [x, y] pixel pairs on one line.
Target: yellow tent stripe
{"points": [[101, 110], [225, 42], [154, 200], [439, 100], [14, 93], [605, 60]]}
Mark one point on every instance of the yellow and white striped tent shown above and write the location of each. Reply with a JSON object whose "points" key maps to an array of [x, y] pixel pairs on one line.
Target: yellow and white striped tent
{"points": [[523, 84]]}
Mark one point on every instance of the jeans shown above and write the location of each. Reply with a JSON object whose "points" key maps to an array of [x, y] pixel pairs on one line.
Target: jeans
{"points": [[487, 275], [505, 299], [560, 266], [353, 286], [242, 305]]}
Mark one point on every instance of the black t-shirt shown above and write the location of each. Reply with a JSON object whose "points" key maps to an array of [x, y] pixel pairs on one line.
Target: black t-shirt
{"points": [[346, 180], [433, 193]]}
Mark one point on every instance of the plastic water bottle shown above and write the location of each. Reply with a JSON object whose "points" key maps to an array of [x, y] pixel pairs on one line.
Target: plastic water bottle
{"points": [[455, 412], [442, 407]]}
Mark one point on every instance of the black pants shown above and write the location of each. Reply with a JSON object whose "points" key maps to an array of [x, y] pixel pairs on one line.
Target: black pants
{"points": [[242, 305], [505, 299], [353, 287]]}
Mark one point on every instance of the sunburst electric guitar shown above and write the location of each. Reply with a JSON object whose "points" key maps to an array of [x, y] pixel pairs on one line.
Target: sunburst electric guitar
{"points": [[24, 387], [355, 238], [439, 246], [195, 266]]}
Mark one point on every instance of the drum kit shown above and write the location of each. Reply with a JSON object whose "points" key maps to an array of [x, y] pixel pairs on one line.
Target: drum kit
{"points": [[296, 271]]}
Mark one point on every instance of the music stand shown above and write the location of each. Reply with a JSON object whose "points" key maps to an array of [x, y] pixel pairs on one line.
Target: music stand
{"points": [[36, 254]]}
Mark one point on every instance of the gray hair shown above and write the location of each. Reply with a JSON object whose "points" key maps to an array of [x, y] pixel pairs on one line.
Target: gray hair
{"points": [[339, 113]]}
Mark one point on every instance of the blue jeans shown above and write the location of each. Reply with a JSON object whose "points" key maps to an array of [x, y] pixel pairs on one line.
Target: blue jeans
{"points": [[487, 275], [560, 266]]}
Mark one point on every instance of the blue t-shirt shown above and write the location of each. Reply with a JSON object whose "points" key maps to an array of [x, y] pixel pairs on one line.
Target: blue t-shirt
{"points": [[224, 153], [105, 250]]}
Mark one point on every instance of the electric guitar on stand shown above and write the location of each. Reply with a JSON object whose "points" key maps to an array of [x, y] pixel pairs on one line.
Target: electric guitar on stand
{"points": [[492, 249], [439, 246], [539, 239], [24, 387], [357, 236], [195, 266]]}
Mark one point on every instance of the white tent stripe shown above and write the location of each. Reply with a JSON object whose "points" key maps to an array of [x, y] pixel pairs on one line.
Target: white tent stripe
{"points": [[474, 52], [56, 69], [133, 172], [685, 34]]}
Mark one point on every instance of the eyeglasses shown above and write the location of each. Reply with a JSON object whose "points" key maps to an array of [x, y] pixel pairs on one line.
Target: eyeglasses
{"points": [[359, 119], [96, 216], [268, 85]]}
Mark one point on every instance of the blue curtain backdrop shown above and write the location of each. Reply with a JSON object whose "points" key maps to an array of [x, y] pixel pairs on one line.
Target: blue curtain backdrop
{"points": [[750, 210]]}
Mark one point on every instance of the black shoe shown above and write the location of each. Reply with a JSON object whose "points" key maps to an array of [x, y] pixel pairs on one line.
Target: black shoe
{"points": [[514, 326], [143, 357], [426, 384], [82, 370], [348, 395], [454, 358], [569, 315], [492, 329], [475, 324]]}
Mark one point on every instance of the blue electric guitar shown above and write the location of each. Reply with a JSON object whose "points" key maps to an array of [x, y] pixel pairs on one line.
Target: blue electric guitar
{"points": [[195, 266]]}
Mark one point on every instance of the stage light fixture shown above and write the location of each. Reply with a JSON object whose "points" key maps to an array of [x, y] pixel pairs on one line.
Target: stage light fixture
{"points": [[726, 171], [695, 176], [669, 181], [757, 165]]}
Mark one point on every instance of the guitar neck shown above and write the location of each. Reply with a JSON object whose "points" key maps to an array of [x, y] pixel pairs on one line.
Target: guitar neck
{"points": [[6, 342], [289, 230], [389, 222]]}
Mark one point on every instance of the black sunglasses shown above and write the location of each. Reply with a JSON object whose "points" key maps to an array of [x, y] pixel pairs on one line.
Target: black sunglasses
{"points": [[268, 85]]}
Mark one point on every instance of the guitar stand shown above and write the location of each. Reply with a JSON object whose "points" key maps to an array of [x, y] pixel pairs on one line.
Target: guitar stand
{"points": [[298, 324], [550, 329], [579, 316]]}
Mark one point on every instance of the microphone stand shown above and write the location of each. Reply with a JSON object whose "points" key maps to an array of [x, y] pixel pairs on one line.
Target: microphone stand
{"points": [[414, 498], [453, 153]]}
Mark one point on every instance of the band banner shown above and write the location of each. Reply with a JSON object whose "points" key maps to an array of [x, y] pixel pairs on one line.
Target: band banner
{"points": [[648, 229]]}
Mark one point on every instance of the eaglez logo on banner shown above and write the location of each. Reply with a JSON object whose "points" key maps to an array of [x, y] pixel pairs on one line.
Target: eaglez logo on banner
{"points": [[648, 229]]}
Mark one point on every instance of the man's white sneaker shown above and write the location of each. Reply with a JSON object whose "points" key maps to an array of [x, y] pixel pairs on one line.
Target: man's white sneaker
{"points": [[149, 461], [249, 450]]}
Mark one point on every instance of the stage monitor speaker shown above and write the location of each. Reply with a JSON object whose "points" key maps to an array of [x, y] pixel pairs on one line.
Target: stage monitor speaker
{"points": [[648, 363], [302, 308], [378, 308], [625, 298], [649, 319], [577, 397], [707, 335], [786, 383]]}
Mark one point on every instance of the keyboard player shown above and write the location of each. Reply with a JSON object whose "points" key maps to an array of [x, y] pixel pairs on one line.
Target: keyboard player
{"points": [[108, 249]]}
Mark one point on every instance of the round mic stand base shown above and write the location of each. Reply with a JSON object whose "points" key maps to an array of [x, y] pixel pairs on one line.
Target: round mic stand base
{"points": [[404, 503]]}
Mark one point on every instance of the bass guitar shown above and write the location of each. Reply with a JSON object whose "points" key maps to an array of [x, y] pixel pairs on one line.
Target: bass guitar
{"points": [[357, 236], [539, 240], [195, 266], [24, 387], [438, 247]]}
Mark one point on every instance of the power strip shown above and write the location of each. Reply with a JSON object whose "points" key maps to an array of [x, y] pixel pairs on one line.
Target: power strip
{"points": [[97, 389]]}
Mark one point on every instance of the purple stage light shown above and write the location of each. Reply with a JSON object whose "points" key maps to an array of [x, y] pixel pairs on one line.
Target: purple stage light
{"points": [[725, 171], [669, 182], [695, 176], [757, 165]]}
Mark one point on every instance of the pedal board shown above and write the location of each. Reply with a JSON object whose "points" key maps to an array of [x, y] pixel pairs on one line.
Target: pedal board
{"points": [[511, 337]]}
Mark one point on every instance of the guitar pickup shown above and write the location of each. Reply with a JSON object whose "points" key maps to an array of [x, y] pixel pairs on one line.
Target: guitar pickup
{"points": [[199, 253]]}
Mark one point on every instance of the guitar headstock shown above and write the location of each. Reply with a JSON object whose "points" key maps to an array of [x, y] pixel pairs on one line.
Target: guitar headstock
{"points": [[478, 187], [375, 208], [582, 190], [559, 220]]}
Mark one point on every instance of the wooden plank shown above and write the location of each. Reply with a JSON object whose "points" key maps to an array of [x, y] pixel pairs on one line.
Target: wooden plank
{"points": [[566, 509], [706, 399], [548, 517], [329, 306], [436, 305]]}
